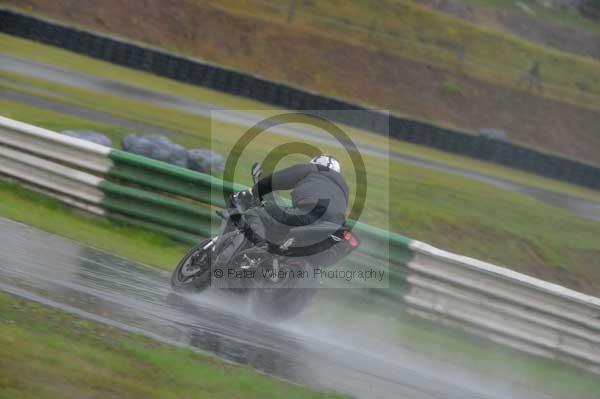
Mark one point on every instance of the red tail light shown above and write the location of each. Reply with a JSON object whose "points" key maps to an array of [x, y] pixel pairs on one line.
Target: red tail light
{"points": [[351, 239]]}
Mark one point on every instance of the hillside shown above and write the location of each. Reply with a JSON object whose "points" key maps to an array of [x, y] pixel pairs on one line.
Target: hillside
{"points": [[557, 27], [409, 59]]}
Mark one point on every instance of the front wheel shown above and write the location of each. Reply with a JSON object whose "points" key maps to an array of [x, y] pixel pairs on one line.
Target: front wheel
{"points": [[193, 273]]}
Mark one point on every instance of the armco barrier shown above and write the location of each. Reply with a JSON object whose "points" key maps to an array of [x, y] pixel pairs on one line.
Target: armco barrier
{"points": [[507, 307], [195, 72]]}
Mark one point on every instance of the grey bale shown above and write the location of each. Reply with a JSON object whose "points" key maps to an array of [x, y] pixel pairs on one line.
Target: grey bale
{"points": [[137, 145], [156, 147], [89, 135], [178, 156], [206, 161]]}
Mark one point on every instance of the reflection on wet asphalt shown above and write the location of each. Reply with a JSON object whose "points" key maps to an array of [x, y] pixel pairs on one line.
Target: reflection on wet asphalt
{"points": [[49, 269], [585, 208]]}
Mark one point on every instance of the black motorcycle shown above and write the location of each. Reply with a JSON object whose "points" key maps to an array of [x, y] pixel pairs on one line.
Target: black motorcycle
{"points": [[280, 282]]}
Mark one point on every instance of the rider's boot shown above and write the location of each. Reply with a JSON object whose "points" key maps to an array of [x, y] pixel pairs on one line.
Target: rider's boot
{"points": [[257, 253]]}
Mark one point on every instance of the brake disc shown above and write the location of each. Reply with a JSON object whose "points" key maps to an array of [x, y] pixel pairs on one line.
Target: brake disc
{"points": [[191, 268]]}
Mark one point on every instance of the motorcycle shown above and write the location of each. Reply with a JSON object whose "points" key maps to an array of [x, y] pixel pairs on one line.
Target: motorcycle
{"points": [[280, 282]]}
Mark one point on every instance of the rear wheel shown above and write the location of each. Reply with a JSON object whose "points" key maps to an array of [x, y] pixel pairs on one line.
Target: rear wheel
{"points": [[193, 273], [279, 299]]}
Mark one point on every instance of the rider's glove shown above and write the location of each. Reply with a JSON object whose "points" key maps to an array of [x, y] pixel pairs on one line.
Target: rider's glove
{"points": [[243, 196], [247, 198]]}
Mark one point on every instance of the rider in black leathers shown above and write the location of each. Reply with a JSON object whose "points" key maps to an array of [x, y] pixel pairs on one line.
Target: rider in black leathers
{"points": [[319, 194]]}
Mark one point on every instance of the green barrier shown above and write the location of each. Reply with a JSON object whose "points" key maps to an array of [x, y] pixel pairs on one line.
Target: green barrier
{"points": [[155, 208], [398, 241], [171, 179], [175, 234], [386, 248], [162, 176]]}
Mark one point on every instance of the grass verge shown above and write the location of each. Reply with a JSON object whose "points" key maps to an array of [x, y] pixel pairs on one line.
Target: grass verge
{"points": [[48, 353], [47, 214]]}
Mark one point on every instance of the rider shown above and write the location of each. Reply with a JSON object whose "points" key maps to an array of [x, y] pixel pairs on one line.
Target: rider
{"points": [[319, 194]]}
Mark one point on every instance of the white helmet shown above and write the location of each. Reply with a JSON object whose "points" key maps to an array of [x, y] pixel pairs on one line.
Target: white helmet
{"points": [[328, 161]]}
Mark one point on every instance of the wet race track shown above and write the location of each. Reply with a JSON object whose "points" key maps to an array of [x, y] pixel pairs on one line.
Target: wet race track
{"points": [[584, 208], [57, 272]]}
